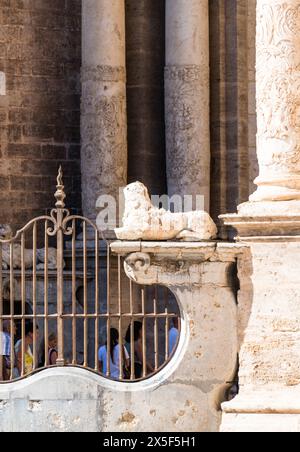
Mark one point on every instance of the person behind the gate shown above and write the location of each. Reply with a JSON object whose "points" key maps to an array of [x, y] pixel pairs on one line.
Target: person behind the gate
{"points": [[114, 356], [173, 336], [28, 358], [52, 351], [138, 349], [7, 334]]}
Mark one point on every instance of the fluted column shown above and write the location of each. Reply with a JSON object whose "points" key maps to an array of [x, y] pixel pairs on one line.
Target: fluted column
{"points": [[103, 117], [187, 98], [278, 100]]}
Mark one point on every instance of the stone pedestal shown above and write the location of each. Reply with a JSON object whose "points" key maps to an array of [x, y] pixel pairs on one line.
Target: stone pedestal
{"points": [[103, 115], [269, 318], [201, 276], [269, 338], [187, 98]]}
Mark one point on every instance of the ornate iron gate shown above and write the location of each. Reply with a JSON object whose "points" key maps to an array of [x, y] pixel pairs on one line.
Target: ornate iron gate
{"points": [[51, 292]]}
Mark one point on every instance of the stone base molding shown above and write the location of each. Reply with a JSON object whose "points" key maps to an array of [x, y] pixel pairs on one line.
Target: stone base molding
{"points": [[269, 332], [265, 221], [271, 410]]}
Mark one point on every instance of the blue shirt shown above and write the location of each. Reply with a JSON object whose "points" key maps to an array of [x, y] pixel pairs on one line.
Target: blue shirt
{"points": [[5, 343], [114, 366], [173, 338]]}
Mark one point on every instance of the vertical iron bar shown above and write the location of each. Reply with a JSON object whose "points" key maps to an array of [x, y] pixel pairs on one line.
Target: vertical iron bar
{"points": [[121, 350], [85, 297], [60, 205], [144, 334], [74, 332], [96, 298], [46, 300], [166, 325], [155, 328], [1, 313], [23, 296], [12, 310], [34, 287], [60, 287], [108, 313], [132, 354]]}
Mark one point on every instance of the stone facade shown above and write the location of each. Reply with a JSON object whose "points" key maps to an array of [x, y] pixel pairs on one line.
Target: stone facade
{"points": [[40, 55], [232, 104], [232, 136]]}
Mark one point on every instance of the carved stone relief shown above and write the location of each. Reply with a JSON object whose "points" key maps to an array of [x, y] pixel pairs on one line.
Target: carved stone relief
{"points": [[278, 99], [187, 106], [103, 129]]}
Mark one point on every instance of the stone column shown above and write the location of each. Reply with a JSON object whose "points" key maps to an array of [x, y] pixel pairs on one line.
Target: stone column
{"points": [[278, 100], [187, 98], [103, 117], [269, 318]]}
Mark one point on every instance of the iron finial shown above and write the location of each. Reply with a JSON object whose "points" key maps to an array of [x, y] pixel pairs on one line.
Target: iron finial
{"points": [[60, 190]]}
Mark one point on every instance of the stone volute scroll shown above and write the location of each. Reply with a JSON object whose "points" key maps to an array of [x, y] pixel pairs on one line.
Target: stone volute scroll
{"points": [[143, 221]]}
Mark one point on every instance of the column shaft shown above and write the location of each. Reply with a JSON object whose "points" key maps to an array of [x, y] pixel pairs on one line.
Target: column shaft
{"points": [[187, 98], [278, 100], [103, 117], [145, 37]]}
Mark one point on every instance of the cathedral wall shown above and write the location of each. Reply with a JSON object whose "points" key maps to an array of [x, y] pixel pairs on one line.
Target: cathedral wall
{"points": [[233, 107], [145, 42], [40, 54]]}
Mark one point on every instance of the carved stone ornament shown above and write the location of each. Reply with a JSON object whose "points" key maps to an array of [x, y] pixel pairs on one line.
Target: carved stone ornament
{"points": [[104, 133], [143, 221], [278, 100], [6, 235], [187, 129]]}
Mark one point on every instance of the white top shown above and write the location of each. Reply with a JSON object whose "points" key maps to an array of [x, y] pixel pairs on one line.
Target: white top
{"points": [[114, 366], [173, 337]]}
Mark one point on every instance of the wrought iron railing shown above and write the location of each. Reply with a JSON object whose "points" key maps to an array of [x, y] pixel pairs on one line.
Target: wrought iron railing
{"points": [[65, 300]]}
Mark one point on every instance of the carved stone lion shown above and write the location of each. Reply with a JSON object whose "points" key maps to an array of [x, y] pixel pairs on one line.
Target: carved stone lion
{"points": [[6, 234], [143, 221]]}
